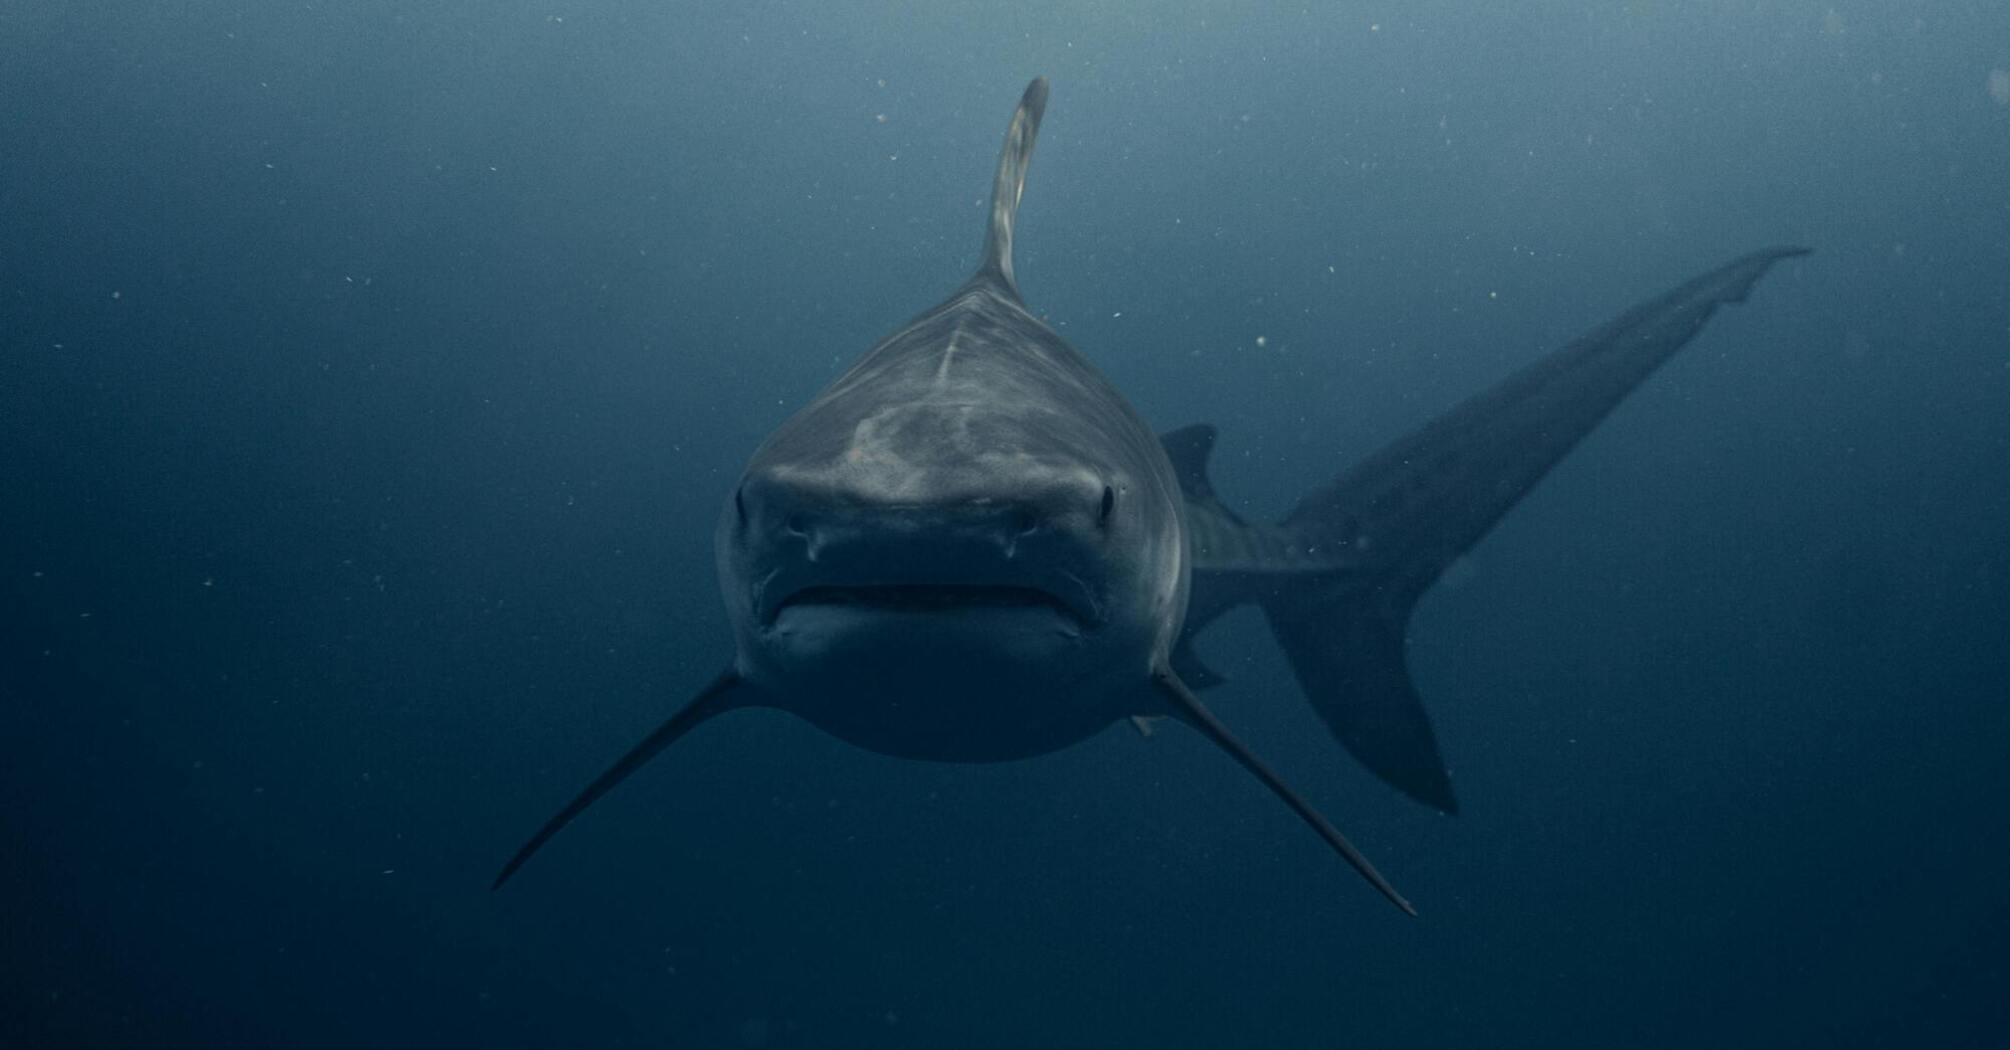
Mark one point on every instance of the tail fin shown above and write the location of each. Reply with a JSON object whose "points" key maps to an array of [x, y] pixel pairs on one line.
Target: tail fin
{"points": [[1347, 650], [1410, 509], [1010, 184]]}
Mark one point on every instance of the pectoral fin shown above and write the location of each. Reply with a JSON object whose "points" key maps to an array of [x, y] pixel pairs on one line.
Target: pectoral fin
{"points": [[1188, 708], [717, 697]]}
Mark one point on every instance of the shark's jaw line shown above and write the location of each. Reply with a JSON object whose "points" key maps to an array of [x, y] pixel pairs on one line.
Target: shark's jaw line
{"points": [[967, 628], [925, 599], [885, 570]]}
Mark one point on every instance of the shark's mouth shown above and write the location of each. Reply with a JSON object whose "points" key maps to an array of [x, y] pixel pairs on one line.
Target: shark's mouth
{"points": [[923, 598]]}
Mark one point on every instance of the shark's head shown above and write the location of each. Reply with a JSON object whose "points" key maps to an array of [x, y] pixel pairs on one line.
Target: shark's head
{"points": [[958, 549], [969, 547]]}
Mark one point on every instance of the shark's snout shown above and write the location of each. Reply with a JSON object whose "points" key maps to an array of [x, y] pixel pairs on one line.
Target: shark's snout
{"points": [[1005, 500]]}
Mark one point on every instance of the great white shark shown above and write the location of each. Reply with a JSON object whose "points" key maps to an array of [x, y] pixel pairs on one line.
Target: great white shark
{"points": [[970, 548]]}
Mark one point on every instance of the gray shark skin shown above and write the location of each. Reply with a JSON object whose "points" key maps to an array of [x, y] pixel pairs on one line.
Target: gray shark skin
{"points": [[970, 548]]}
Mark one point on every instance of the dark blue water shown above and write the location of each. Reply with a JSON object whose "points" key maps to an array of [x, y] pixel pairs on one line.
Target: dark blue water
{"points": [[371, 375]]}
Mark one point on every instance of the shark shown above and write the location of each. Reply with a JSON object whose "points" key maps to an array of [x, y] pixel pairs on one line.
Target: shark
{"points": [[971, 548]]}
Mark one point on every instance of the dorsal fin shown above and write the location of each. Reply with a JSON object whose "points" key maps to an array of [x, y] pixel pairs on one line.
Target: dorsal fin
{"points": [[1011, 183]]}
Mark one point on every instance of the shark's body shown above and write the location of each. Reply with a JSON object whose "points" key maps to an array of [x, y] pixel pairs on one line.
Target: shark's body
{"points": [[970, 547]]}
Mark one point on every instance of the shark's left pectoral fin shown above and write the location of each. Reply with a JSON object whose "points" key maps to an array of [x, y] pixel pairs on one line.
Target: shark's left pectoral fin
{"points": [[1183, 704], [725, 693]]}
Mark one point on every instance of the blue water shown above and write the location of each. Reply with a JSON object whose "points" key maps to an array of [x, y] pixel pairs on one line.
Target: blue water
{"points": [[371, 375]]}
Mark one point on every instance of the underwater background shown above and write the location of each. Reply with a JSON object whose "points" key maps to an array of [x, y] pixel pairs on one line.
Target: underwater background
{"points": [[371, 375]]}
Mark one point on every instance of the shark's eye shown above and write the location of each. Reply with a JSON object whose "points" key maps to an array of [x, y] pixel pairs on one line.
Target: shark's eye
{"points": [[1109, 504]]}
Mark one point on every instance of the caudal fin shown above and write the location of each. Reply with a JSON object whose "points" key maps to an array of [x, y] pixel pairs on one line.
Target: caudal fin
{"points": [[1409, 510], [1347, 653]]}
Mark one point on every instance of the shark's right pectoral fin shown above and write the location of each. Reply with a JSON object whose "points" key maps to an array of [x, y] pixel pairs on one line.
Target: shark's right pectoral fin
{"points": [[1181, 703], [725, 693]]}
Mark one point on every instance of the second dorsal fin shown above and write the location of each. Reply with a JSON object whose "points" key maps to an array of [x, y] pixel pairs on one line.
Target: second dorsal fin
{"points": [[1188, 448], [1011, 183]]}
